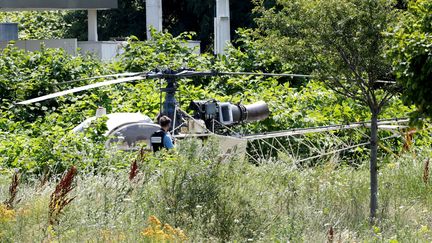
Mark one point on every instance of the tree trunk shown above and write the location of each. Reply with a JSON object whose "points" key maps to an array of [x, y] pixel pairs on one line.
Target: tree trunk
{"points": [[373, 166]]}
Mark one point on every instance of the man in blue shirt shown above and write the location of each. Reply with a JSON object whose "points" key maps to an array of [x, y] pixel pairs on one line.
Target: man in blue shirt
{"points": [[161, 138]]}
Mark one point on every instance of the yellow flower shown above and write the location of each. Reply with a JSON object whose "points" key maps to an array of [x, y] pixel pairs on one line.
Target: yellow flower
{"points": [[6, 214], [391, 165], [153, 220], [156, 232]]}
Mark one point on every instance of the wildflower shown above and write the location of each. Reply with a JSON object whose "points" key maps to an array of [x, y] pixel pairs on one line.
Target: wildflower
{"points": [[6, 214], [158, 232], [13, 190], [59, 198], [153, 220], [391, 165]]}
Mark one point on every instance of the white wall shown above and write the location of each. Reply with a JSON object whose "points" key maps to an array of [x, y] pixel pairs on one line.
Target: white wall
{"points": [[104, 50], [69, 45]]}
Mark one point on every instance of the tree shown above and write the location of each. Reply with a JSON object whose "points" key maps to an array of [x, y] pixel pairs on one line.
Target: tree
{"points": [[411, 50], [341, 41]]}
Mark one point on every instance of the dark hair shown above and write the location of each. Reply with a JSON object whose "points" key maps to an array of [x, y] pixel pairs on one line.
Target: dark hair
{"points": [[164, 121]]}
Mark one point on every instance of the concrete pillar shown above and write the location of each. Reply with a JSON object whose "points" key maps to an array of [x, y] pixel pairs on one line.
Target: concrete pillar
{"points": [[153, 15], [222, 26], [92, 25]]}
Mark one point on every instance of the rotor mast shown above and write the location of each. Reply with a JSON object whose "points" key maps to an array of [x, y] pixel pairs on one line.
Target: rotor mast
{"points": [[169, 105]]}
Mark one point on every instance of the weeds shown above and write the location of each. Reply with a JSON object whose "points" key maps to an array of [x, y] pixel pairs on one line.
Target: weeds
{"points": [[231, 201], [133, 170], [426, 172], [59, 198], [13, 190]]}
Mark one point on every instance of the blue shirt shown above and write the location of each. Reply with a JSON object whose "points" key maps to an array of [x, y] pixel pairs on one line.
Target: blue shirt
{"points": [[167, 142]]}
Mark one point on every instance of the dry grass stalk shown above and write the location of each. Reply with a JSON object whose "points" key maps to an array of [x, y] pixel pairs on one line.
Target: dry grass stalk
{"points": [[59, 198], [409, 135], [13, 191], [44, 178], [133, 170], [134, 166], [330, 234], [426, 172]]}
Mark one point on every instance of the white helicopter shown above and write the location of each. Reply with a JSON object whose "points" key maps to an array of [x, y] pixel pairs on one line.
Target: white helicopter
{"points": [[130, 131]]}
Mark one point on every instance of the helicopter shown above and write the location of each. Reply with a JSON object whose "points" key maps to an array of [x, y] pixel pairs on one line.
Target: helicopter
{"points": [[132, 131], [208, 117]]}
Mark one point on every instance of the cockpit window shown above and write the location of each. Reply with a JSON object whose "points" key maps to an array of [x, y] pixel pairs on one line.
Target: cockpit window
{"points": [[133, 136]]}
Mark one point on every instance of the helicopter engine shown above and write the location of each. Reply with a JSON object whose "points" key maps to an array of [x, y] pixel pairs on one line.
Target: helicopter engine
{"points": [[217, 114]]}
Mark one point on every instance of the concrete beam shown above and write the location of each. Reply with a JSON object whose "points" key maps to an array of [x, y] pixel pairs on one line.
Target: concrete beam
{"points": [[22, 5]]}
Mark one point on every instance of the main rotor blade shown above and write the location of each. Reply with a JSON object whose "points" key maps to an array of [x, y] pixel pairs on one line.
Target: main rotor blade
{"points": [[78, 89], [189, 73], [293, 75], [117, 75]]}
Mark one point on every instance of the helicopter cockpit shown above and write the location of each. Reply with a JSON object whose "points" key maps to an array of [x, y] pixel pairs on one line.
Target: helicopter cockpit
{"points": [[126, 131]]}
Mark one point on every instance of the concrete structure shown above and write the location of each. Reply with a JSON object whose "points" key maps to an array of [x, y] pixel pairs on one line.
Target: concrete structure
{"points": [[69, 45], [90, 5], [153, 16], [20, 5], [104, 50], [195, 46], [222, 26], [8, 31]]}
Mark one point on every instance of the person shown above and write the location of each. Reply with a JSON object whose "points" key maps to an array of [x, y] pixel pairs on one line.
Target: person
{"points": [[160, 139]]}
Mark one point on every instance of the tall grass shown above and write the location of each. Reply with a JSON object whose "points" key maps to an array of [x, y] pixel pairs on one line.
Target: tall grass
{"points": [[215, 198]]}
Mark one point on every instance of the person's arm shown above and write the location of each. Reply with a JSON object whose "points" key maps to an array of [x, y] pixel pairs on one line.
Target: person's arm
{"points": [[167, 142]]}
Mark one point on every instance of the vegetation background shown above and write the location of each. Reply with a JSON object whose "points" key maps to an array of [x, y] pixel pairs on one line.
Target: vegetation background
{"points": [[198, 195]]}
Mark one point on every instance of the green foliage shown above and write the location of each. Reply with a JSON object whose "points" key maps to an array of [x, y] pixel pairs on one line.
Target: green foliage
{"points": [[27, 75], [342, 41], [37, 137], [40, 25], [411, 51], [248, 55], [162, 52]]}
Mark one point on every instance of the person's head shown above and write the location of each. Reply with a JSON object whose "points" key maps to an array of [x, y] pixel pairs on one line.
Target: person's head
{"points": [[165, 122]]}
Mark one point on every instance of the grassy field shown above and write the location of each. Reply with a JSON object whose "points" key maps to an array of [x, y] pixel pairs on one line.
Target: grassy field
{"points": [[195, 195]]}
